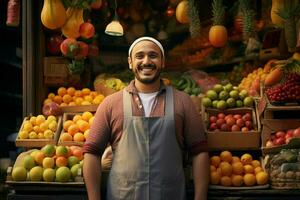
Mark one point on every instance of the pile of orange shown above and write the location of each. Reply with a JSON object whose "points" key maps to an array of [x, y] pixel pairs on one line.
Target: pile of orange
{"points": [[228, 170], [72, 97], [78, 128]]}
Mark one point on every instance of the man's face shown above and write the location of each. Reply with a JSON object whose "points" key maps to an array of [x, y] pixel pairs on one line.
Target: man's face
{"points": [[146, 61]]}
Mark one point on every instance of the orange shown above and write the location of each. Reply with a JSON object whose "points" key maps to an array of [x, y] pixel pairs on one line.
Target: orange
{"points": [[39, 157], [86, 91], [237, 180], [248, 169], [65, 137], [43, 127], [85, 103], [225, 181], [249, 179], [27, 126], [83, 126], [213, 168], [79, 137], [61, 161], [72, 103], [257, 170], [78, 153], [73, 129], [62, 91], [71, 91], [93, 94], [32, 120], [215, 161], [255, 163], [67, 124], [226, 156], [76, 117], [63, 104], [246, 159], [219, 171], [41, 136], [67, 98], [40, 119], [88, 98], [214, 178], [262, 178], [46, 101], [87, 116], [235, 159], [78, 101], [51, 95], [86, 133], [57, 99], [91, 120], [237, 168], [226, 169], [78, 93]]}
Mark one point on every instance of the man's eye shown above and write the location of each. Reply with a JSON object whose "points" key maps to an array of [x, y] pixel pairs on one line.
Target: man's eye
{"points": [[139, 56], [153, 55]]}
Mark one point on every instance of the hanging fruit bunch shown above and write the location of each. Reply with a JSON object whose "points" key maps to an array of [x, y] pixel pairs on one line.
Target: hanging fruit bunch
{"points": [[182, 12], [218, 32], [78, 37], [290, 14]]}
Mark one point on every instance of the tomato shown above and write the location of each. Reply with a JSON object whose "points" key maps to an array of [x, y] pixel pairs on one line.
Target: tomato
{"points": [[53, 44], [83, 50]]}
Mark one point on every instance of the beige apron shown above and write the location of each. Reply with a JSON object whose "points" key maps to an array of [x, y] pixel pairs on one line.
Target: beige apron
{"points": [[147, 163]]}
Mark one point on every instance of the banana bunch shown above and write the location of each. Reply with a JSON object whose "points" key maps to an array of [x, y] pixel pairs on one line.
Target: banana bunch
{"points": [[188, 85], [114, 83]]}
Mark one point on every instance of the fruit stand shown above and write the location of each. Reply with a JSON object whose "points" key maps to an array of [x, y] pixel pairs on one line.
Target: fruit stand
{"points": [[239, 61]]}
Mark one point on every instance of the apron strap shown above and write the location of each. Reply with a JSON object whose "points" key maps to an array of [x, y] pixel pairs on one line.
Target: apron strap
{"points": [[169, 104], [127, 104]]}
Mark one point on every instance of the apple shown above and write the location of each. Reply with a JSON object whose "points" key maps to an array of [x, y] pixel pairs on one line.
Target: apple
{"points": [[224, 127], [248, 124], [296, 132], [289, 133], [235, 128], [221, 115], [246, 117], [240, 122], [213, 119], [220, 122], [269, 143], [228, 116], [280, 134], [237, 116], [279, 141], [245, 129], [51, 109], [288, 138], [213, 126]]}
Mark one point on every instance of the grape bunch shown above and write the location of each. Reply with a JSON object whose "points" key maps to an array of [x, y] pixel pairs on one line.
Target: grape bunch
{"points": [[286, 91]]}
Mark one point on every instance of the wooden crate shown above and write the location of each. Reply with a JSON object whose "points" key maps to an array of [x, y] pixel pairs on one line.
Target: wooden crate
{"points": [[237, 140], [273, 125], [69, 116], [29, 143], [74, 109]]}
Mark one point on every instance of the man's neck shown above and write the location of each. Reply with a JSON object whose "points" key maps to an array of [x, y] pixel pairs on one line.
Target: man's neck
{"points": [[147, 88]]}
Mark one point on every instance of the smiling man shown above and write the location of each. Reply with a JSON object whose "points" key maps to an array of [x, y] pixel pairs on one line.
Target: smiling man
{"points": [[149, 126]]}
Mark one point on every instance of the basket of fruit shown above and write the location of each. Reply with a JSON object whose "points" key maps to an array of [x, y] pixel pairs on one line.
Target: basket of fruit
{"points": [[50, 165], [232, 172], [75, 128], [37, 131]]}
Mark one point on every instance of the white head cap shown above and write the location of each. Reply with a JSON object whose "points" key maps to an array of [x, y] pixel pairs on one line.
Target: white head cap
{"points": [[146, 38]]}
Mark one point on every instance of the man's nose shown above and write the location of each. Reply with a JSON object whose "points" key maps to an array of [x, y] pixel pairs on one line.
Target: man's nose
{"points": [[146, 59]]}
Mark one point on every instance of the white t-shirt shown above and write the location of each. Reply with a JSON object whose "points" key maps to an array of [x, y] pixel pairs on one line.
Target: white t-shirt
{"points": [[147, 101]]}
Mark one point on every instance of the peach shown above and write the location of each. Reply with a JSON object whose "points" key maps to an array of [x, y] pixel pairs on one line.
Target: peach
{"points": [[87, 30]]}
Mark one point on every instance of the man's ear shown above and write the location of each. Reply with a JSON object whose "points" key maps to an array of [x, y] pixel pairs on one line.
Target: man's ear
{"points": [[130, 63]]}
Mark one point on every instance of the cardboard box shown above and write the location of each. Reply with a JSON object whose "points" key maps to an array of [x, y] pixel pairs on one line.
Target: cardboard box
{"points": [[74, 109], [56, 72], [39, 142], [273, 125], [237, 140]]}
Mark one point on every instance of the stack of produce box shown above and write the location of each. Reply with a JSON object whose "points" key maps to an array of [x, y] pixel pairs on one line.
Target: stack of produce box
{"points": [[281, 124], [233, 131]]}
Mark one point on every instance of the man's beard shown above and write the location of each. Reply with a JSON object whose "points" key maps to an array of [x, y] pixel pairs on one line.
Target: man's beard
{"points": [[147, 80]]}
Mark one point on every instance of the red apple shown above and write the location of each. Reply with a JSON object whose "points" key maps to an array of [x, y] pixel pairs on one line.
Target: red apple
{"points": [[87, 30], [237, 116], [230, 121], [235, 128], [246, 117], [279, 134], [213, 119], [289, 133], [213, 126], [221, 115], [51, 109], [280, 141], [296, 132], [240, 122], [248, 124], [224, 127], [220, 122], [288, 138], [228, 116]]}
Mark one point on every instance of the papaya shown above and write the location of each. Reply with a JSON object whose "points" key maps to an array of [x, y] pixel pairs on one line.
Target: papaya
{"points": [[53, 14], [74, 19], [274, 76]]}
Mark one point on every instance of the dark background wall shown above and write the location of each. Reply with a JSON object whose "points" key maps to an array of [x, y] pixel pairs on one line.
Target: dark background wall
{"points": [[10, 80]]}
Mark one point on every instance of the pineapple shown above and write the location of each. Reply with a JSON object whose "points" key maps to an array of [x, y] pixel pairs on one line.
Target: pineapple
{"points": [[247, 17], [218, 12], [195, 24], [218, 34]]}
